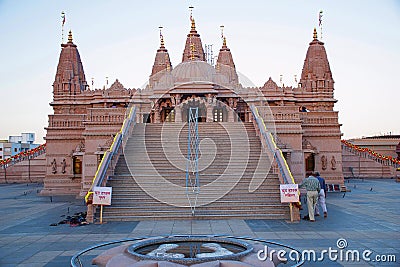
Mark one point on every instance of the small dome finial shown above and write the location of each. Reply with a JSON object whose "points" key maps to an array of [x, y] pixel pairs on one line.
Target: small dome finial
{"points": [[193, 24], [70, 36], [315, 36], [223, 36], [192, 19], [162, 41]]}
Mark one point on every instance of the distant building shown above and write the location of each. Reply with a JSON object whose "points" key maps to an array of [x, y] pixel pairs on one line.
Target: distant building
{"points": [[17, 144]]}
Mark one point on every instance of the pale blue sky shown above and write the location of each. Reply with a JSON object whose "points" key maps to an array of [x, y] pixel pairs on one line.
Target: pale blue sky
{"points": [[119, 39]]}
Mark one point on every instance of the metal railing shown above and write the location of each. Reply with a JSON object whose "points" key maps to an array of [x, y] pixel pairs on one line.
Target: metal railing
{"points": [[109, 160], [22, 156], [269, 144], [368, 153]]}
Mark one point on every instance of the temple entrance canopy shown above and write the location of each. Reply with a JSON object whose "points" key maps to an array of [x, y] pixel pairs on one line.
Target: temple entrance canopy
{"points": [[210, 109], [196, 84]]}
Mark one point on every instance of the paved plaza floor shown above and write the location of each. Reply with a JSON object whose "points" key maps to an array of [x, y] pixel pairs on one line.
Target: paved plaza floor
{"points": [[367, 218]]}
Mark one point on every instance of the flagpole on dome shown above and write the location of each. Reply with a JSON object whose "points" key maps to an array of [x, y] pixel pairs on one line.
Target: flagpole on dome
{"points": [[191, 13], [320, 21], [62, 26], [192, 48], [161, 36]]}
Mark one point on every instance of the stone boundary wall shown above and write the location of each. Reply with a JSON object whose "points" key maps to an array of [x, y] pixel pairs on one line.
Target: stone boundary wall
{"points": [[21, 172]]}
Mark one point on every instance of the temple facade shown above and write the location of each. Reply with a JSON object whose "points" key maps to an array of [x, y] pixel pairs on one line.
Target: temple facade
{"points": [[85, 121]]}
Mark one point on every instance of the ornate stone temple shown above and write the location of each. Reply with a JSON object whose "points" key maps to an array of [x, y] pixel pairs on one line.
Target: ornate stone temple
{"points": [[85, 121]]}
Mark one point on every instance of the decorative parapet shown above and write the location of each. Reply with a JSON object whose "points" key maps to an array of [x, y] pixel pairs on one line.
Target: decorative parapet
{"points": [[319, 118], [105, 115], [66, 121]]}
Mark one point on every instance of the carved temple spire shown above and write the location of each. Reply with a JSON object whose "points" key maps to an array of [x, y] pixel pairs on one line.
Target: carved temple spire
{"points": [[225, 64], [70, 76], [316, 75], [162, 62], [193, 47]]}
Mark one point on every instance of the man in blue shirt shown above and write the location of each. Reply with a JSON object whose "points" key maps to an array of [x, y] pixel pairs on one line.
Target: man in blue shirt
{"points": [[321, 196]]}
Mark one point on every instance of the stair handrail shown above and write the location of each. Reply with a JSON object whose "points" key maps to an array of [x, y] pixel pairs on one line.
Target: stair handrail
{"points": [[366, 152], [284, 173], [105, 168], [22, 156], [286, 176]]}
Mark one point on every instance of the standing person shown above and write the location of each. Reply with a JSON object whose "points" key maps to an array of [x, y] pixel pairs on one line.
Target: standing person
{"points": [[321, 196], [311, 184]]}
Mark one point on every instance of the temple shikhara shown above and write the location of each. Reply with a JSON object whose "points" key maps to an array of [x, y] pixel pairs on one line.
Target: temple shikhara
{"points": [[300, 121]]}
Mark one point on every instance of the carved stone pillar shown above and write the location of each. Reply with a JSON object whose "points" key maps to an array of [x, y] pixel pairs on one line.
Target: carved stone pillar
{"points": [[178, 113], [231, 116], [210, 114], [157, 117], [231, 112], [210, 107]]}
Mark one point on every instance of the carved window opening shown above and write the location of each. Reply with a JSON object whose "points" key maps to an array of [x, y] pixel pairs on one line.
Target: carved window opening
{"points": [[218, 114], [168, 114], [146, 118], [310, 162], [99, 158], [77, 165]]}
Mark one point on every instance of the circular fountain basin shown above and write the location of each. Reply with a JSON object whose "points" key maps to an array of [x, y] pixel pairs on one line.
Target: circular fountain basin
{"points": [[190, 249]]}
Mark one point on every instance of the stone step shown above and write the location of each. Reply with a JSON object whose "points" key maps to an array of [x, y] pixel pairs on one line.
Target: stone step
{"points": [[197, 217], [271, 209], [221, 203], [266, 211]]}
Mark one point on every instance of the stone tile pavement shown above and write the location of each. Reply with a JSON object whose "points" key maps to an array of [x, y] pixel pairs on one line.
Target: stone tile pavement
{"points": [[367, 218]]}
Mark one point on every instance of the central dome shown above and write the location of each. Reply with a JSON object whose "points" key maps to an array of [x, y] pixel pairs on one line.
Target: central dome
{"points": [[194, 71]]}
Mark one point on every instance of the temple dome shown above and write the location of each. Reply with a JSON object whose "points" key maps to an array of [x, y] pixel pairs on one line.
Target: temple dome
{"points": [[194, 71]]}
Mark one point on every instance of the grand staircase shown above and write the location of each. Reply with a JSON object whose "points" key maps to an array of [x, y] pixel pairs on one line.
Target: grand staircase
{"points": [[235, 180]]}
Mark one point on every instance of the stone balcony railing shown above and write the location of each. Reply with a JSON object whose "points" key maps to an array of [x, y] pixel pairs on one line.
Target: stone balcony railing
{"points": [[105, 115], [66, 121], [319, 118]]}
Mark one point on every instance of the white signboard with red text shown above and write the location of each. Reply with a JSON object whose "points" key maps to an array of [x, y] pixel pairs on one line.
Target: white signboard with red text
{"points": [[289, 193], [102, 195]]}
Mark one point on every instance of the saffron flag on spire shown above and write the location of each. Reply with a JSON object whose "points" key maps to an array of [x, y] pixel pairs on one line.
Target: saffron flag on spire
{"points": [[320, 18], [63, 18]]}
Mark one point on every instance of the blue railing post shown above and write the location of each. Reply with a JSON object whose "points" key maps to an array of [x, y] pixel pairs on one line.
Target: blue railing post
{"points": [[192, 163]]}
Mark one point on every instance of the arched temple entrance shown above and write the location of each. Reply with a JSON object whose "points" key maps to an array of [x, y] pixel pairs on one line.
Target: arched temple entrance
{"points": [[196, 102], [213, 107]]}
